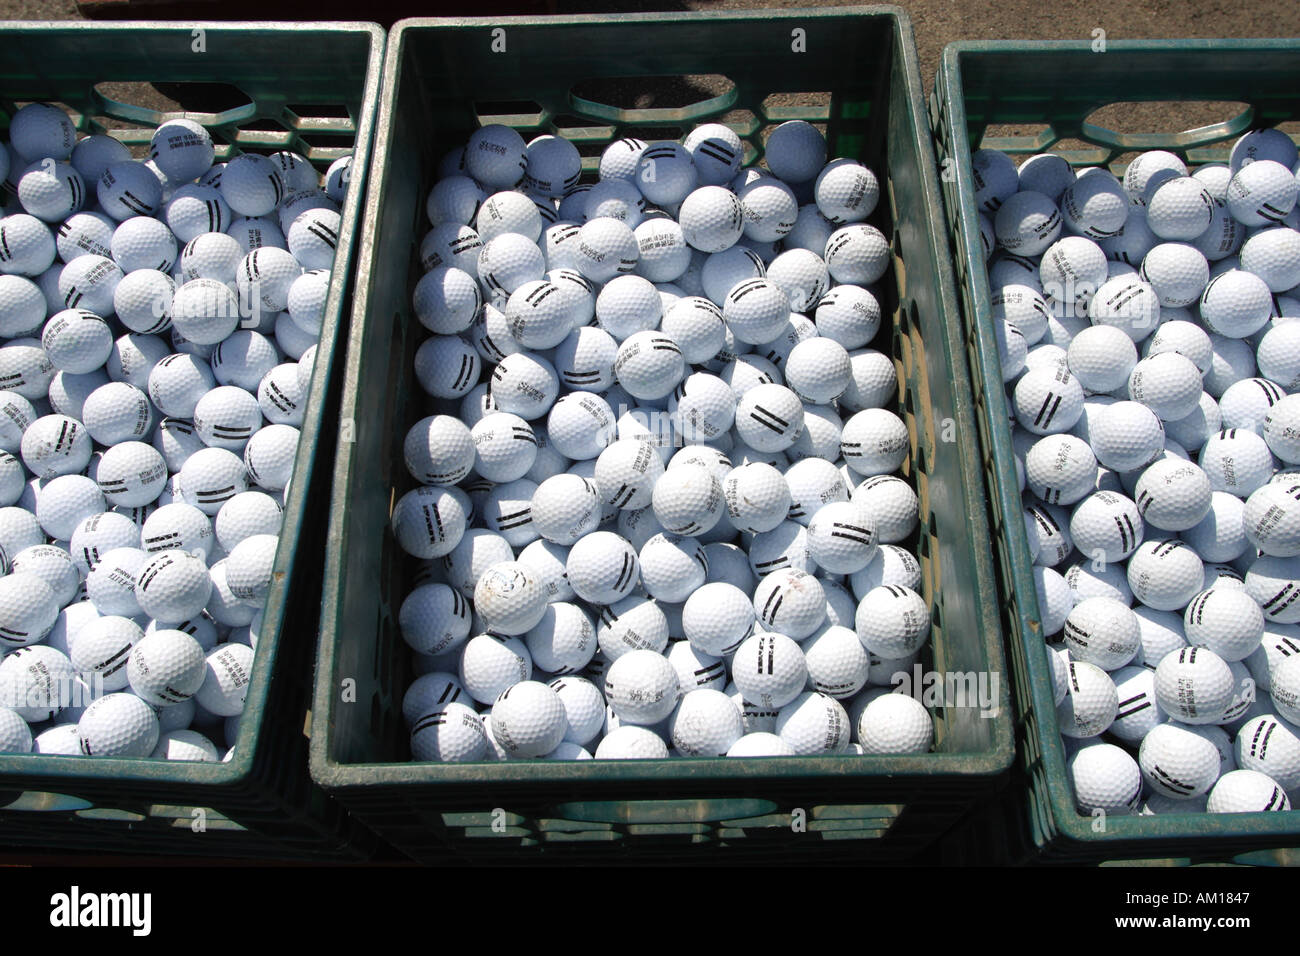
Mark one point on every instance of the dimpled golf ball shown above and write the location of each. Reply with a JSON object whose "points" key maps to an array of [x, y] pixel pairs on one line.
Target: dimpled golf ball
{"points": [[711, 218], [439, 450], [842, 537], [1165, 573], [874, 442], [1194, 685], [118, 725], [688, 500], [757, 497], [36, 683], [173, 586], [1226, 621], [1061, 469], [1274, 583], [626, 473], [448, 732], [602, 567], [1026, 223], [434, 618], [249, 568], [1237, 461], [695, 670], [717, 618], [227, 675], [1048, 400], [580, 426], [769, 669], [703, 407], [1091, 701], [791, 602], [1103, 631], [1138, 710], [106, 649], [649, 365], [705, 723], [184, 745], [838, 664], [1126, 436], [857, 254], [634, 623], [166, 668], [1178, 762], [892, 621], [672, 567], [509, 599], [1173, 495], [814, 723], [564, 641], [849, 315], [1247, 791], [55, 445], [429, 522], [642, 687], [846, 191], [1271, 519], [631, 742], [895, 724], [1106, 526], [1266, 744], [1167, 383], [1105, 779], [769, 417], [566, 507], [528, 719]]}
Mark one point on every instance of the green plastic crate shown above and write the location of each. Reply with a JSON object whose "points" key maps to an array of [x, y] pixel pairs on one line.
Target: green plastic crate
{"points": [[308, 87], [1053, 87], [442, 79]]}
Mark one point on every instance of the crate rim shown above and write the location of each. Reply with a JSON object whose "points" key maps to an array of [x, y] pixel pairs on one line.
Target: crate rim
{"points": [[576, 19], [278, 26], [957, 48], [1064, 816], [52, 771], [989, 764]]}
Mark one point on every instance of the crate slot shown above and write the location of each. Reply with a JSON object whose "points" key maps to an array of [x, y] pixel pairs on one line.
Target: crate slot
{"points": [[549, 825], [813, 107], [770, 821], [510, 112], [212, 104], [662, 811], [580, 129], [581, 836], [654, 99], [838, 835], [1144, 125], [110, 813], [324, 110], [37, 801], [522, 836]]}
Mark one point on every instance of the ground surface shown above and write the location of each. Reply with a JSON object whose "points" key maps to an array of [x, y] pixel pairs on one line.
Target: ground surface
{"points": [[935, 22]]}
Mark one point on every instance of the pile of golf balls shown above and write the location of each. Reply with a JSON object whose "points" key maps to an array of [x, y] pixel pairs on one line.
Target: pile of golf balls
{"points": [[658, 509], [158, 324], [1151, 356]]}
